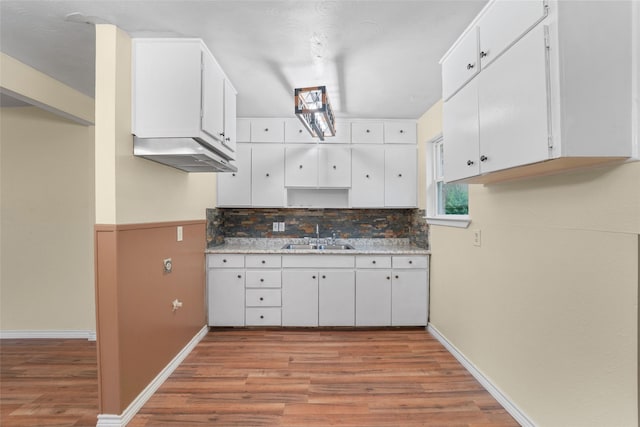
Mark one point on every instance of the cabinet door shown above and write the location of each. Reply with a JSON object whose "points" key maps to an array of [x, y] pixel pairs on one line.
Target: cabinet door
{"points": [[367, 176], [373, 298], [461, 65], [334, 166], [400, 171], [267, 175], [212, 121], [504, 23], [234, 189], [409, 298], [460, 131], [514, 89], [295, 132], [299, 298], [267, 130], [301, 166], [226, 297], [336, 298], [400, 132], [367, 132], [229, 116]]}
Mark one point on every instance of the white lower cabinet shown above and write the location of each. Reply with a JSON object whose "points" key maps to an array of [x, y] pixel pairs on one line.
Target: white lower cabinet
{"points": [[299, 298], [317, 290]]}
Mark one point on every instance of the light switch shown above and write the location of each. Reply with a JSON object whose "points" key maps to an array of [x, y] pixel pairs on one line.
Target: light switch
{"points": [[179, 233], [477, 238], [275, 226], [281, 226]]}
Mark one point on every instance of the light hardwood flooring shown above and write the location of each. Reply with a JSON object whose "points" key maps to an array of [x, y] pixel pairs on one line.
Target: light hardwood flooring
{"points": [[389, 377], [261, 377]]}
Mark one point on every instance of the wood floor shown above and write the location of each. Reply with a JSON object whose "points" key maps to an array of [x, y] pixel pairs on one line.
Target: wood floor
{"points": [[48, 383], [391, 377]]}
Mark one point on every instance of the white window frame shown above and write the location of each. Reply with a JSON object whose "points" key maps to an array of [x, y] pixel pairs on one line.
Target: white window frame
{"points": [[433, 148]]}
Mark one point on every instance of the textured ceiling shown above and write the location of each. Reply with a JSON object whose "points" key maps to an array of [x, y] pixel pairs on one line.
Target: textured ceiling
{"points": [[377, 58]]}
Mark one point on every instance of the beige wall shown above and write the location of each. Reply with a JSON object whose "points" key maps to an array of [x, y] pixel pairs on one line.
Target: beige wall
{"points": [[130, 189], [47, 222], [547, 307]]}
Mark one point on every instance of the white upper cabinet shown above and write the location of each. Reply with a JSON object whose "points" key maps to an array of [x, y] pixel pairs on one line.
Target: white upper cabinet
{"points": [[400, 188], [301, 166], [267, 130], [367, 176], [243, 130], [461, 65], [294, 131], [334, 166], [367, 132], [234, 189], [400, 132], [318, 166], [504, 23], [178, 92], [229, 132], [267, 175], [540, 104]]}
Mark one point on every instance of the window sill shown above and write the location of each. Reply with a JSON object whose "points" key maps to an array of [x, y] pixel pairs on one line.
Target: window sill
{"points": [[458, 221]]}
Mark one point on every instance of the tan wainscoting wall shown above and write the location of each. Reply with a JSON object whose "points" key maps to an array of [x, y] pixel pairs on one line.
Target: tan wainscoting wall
{"points": [[138, 331]]}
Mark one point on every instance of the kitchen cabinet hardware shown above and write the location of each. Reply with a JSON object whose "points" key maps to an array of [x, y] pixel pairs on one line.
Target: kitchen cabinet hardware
{"points": [[262, 316], [483, 54], [470, 66], [239, 276], [368, 131], [267, 175], [470, 162], [261, 280], [261, 298], [483, 158], [263, 261], [401, 130], [221, 134], [373, 262], [324, 277], [224, 260], [397, 277], [335, 167], [266, 129], [233, 174], [410, 262], [300, 167]]}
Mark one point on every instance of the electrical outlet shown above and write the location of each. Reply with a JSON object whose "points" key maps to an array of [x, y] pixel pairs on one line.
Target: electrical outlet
{"points": [[275, 226], [477, 238], [281, 226], [167, 265]]}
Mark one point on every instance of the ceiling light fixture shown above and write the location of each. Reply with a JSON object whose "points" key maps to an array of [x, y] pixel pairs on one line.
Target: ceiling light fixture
{"points": [[314, 111]]}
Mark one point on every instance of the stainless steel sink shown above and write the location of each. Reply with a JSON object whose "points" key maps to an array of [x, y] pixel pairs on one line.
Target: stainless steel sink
{"points": [[338, 247]]}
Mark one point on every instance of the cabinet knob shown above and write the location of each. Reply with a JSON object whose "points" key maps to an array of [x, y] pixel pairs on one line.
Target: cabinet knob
{"points": [[300, 166], [483, 54], [335, 167], [262, 280], [221, 134], [299, 130], [410, 262], [368, 131], [399, 175], [239, 276], [227, 139], [233, 174], [266, 129], [264, 262], [373, 262], [470, 66], [483, 158], [261, 298], [388, 277], [401, 131], [469, 162], [324, 277], [262, 316], [313, 277], [267, 175], [224, 260], [397, 276], [367, 175]]}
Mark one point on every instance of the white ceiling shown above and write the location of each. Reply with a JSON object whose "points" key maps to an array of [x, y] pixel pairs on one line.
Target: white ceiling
{"points": [[377, 58]]}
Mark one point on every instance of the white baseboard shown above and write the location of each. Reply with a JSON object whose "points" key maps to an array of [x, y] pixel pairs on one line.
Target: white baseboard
{"points": [[36, 334], [110, 420], [509, 406]]}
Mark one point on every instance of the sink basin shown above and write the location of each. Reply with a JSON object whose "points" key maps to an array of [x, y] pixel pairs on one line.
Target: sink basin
{"points": [[339, 247]]}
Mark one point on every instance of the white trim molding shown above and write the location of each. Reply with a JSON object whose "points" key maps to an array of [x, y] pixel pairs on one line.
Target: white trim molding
{"points": [[497, 394], [41, 334], [111, 420]]}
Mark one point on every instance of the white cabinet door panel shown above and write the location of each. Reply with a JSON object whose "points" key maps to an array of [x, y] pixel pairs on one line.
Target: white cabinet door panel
{"points": [[367, 132], [400, 132], [513, 106], [299, 298], [367, 176], [294, 131], [334, 166], [226, 297], [301, 166], [461, 65], [336, 298], [409, 298], [234, 189], [400, 171], [212, 97], [267, 130], [504, 22], [267, 175], [230, 127], [461, 133], [373, 298]]}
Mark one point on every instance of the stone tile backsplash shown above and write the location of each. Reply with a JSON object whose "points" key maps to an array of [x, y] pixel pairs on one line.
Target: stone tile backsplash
{"points": [[346, 223]]}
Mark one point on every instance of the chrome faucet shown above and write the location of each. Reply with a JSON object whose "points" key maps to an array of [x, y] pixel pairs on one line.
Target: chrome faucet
{"points": [[317, 234]]}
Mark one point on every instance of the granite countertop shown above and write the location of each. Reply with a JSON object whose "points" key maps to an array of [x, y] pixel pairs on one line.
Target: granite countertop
{"points": [[274, 246]]}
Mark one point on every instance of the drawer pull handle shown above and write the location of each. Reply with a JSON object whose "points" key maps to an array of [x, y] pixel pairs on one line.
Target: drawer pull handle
{"points": [[368, 131], [374, 261], [267, 175], [262, 280], [261, 298], [262, 316], [410, 262], [264, 262], [224, 260]]}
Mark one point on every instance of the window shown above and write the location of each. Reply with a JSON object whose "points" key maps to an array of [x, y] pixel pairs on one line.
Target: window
{"points": [[447, 203]]}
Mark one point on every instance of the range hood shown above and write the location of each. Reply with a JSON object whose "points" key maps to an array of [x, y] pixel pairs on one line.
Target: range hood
{"points": [[187, 154]]}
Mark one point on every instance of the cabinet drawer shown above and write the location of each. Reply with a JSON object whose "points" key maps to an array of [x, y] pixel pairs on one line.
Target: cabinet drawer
{"points": [[263, 316], [267, 130], [367, 133], [410, 261], [263, 279], [400, 132], [263, 298], [263, 261], [318, 261], [374, 261], [225, 261]]}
